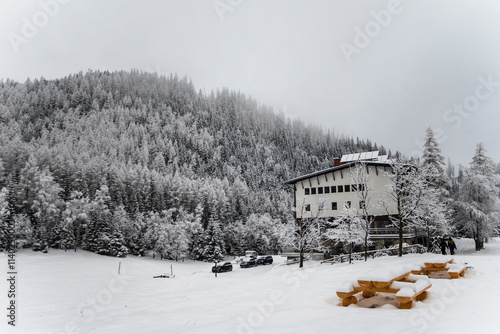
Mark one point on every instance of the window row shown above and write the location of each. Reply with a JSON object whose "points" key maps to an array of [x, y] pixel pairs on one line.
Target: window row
{"points": [[335, 206], [334, 189]]}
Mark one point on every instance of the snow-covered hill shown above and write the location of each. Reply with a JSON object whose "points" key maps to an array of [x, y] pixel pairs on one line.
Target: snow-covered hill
{"points": [[82, 293]]}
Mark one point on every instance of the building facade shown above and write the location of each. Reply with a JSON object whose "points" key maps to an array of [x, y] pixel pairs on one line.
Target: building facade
{"points": [[325, 194]]}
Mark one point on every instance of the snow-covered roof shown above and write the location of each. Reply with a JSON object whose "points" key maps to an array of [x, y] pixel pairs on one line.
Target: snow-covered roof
{"points": [[332, 169]]}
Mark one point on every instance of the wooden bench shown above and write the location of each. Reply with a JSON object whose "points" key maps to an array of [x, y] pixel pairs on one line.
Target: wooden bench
{"points": [[455, 270], [404, 284]]}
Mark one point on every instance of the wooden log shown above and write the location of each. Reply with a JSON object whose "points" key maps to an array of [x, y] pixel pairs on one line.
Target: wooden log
{"points": [[344, 295], [381, 285], [364, 283]]}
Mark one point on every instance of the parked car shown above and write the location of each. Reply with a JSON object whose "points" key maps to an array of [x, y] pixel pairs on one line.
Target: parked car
{"points": [[248, 262], [221, 268], [263, 260]]}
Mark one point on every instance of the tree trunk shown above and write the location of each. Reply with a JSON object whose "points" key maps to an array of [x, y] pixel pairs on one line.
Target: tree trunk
{"points": [[478, 240], [400, 251], [427, 241], [350, 253], [479, 243], [366, 246]]}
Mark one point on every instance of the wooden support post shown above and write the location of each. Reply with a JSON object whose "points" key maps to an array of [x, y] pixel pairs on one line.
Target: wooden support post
{"points": [[422, 296], [368, 294], [349, 300], [405, 306]]}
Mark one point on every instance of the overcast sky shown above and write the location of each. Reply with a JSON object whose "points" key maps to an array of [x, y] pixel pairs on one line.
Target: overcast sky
{"points": [[383, 70]]}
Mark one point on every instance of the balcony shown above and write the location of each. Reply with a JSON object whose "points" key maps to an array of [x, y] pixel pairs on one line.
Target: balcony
{"points": [[390, 233]]}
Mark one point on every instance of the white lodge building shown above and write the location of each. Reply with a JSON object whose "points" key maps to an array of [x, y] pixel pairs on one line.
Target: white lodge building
{"points": [[334, 188]]}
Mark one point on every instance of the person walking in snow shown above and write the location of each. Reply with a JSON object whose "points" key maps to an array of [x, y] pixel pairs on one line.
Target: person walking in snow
{"points": [[452, 246], [443, 246]]}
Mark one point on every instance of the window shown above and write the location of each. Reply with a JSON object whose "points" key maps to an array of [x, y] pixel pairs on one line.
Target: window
{"points": [[348, 204], [334, 189], [361, 187], [327, 190], [354, 187], [362, 204], [320, 190], [341, 189], [308, 207], [313, 191], [347, 188], [334, 205], [307, 191]]}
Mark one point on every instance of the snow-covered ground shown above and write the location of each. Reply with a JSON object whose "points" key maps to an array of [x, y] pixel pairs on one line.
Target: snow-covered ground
{"points": [[81, 293]]}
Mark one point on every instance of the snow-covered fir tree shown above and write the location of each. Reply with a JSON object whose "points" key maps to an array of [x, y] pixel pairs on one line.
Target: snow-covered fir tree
{"points": [[4, 214], [433, 164], [435, 205], [46, 209], [478, 199], [24, 231], [213, 241]]}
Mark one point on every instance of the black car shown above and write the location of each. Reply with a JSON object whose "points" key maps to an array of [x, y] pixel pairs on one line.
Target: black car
{"points": [[265, 260], [221, 268], [247, 263]]}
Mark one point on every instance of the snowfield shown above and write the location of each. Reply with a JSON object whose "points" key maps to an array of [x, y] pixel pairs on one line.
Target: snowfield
{"points": [[82, 293]]}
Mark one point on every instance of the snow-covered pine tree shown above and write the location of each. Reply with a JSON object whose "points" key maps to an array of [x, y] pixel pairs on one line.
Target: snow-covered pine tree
{"points": [[132, 230], [116, 245], [100, 236], [46, 209], [5, 241], [213, 242], [62, 236], [435, 205], [24, 231], [479, 199], [195, 234], [433, 162], [77, 215]]}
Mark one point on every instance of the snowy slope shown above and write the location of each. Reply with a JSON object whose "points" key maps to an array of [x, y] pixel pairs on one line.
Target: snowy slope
{"points": [[81, 293]]}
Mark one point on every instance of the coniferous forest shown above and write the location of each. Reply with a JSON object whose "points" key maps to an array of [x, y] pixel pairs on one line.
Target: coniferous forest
{"points": [[134, 163]]}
